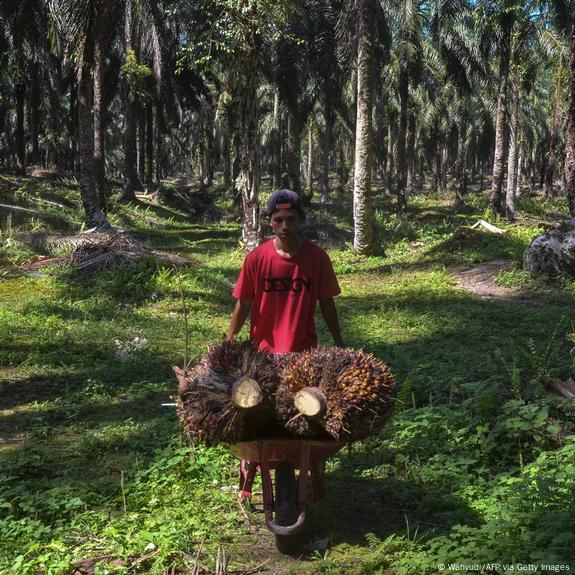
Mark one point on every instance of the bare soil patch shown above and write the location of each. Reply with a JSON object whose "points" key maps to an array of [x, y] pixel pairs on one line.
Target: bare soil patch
{"points": [[480, 280]]}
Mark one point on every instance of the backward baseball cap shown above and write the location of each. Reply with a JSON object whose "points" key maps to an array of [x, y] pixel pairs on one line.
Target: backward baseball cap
{"points": [[285, 200]]}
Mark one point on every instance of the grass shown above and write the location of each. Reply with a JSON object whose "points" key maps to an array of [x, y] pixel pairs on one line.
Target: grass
{"points": [[477, 465]]}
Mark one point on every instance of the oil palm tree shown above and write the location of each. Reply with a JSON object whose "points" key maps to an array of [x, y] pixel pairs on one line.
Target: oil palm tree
{"points": [[82, 24], [501, 19], [363, 40], [133, 75], [570, 120], [24, 27], [363, 239], [327, 74]]}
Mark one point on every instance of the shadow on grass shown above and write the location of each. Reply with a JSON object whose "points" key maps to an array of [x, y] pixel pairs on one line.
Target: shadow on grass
{"points": [[66, 371], [87, 429], [464, 247], [88, 459], [356, 505], [79, 408], [186, 241], [459, 335]]}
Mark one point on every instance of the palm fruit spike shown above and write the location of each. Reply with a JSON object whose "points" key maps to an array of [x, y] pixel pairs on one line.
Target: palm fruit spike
{"points": [[365, 397], [358, 389], [227, 396], [298, 371]]}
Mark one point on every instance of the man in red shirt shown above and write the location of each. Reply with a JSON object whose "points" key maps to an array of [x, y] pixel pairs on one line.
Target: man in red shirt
{"points": [[282, 280]]}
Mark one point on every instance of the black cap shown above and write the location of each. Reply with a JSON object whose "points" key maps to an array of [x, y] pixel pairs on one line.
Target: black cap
{"points": [[285, 200]]}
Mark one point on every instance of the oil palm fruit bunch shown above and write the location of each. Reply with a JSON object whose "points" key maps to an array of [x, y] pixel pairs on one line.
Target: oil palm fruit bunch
{"points": [[300, 373], [228, 396], [341, 393]]}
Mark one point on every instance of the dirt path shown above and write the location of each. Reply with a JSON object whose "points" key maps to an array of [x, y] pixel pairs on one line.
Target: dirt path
{"points": [[480, 281]]}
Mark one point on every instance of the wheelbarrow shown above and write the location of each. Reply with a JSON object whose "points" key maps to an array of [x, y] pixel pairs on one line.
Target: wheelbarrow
{"points": [[284, 510]]}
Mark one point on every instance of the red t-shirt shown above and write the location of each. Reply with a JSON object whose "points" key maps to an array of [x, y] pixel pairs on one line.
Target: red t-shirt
{"points": [[284, 293]]}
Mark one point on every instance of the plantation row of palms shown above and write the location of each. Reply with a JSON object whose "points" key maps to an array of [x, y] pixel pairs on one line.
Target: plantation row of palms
{"points": [[447, 90]]}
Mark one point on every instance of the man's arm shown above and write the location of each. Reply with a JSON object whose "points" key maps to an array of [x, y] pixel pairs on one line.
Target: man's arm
{"points": [[241, 312], [329, 314]]}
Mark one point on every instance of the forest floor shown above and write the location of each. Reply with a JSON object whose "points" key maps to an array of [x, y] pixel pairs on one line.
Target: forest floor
{"points": [[481, 280], [477, 465]]}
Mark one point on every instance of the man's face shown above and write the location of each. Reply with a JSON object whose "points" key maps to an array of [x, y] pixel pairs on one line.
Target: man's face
{"points": [[286, 223]]}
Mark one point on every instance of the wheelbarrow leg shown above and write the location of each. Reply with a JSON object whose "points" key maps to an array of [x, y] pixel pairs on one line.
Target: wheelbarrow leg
{"points": [[304, 467], [248, 472], [286, 506], [290, 496], [317, 469]]}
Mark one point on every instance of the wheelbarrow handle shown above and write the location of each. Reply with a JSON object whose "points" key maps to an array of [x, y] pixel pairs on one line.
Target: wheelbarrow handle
{"points": [[286, 529]]}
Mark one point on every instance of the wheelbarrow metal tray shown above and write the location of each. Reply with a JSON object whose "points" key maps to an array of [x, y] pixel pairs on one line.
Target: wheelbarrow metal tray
{"points": [[288, 450]]}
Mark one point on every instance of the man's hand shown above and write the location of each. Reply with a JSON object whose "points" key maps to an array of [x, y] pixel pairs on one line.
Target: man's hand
{"points": [[239, 316], [329, 313]]}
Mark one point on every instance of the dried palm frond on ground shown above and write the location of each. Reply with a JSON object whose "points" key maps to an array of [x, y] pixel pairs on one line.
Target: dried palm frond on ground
{"points": [[92, 251], [341, 393], [228, 396], [109, 249]]}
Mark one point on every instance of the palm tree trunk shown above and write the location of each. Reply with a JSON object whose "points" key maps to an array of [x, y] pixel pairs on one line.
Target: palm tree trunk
{"points": [[499, 159], [19, 135], [519, 167], [389, 163], [276, 142], [542, 171], [363, 240], [142, 143], [95, 218], [99, 130], [340, 167], [309, 187], [10, 147], [149, 143], [73, 124], [382, 167], [436, 163], [293, 152], [444, 164], [248, 149], [202, 161], [227, 159], [553, 137], [513, 157], [570, 130], [410, 154], [236, 160], [209, 148], [460, 174], [131, 181], [532, 169], [35, 112], [328, 117], [158, 144], [401, 159]]}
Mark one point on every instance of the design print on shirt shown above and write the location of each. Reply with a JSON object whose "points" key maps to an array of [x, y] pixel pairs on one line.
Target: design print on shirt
{"points": [[288, 284]]}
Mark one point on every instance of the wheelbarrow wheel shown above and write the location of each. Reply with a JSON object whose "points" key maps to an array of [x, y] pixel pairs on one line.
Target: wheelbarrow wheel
{"points": [[286, 512]]}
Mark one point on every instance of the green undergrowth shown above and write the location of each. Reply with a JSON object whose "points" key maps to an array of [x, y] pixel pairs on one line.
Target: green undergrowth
{"points": [[476, 467]]}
